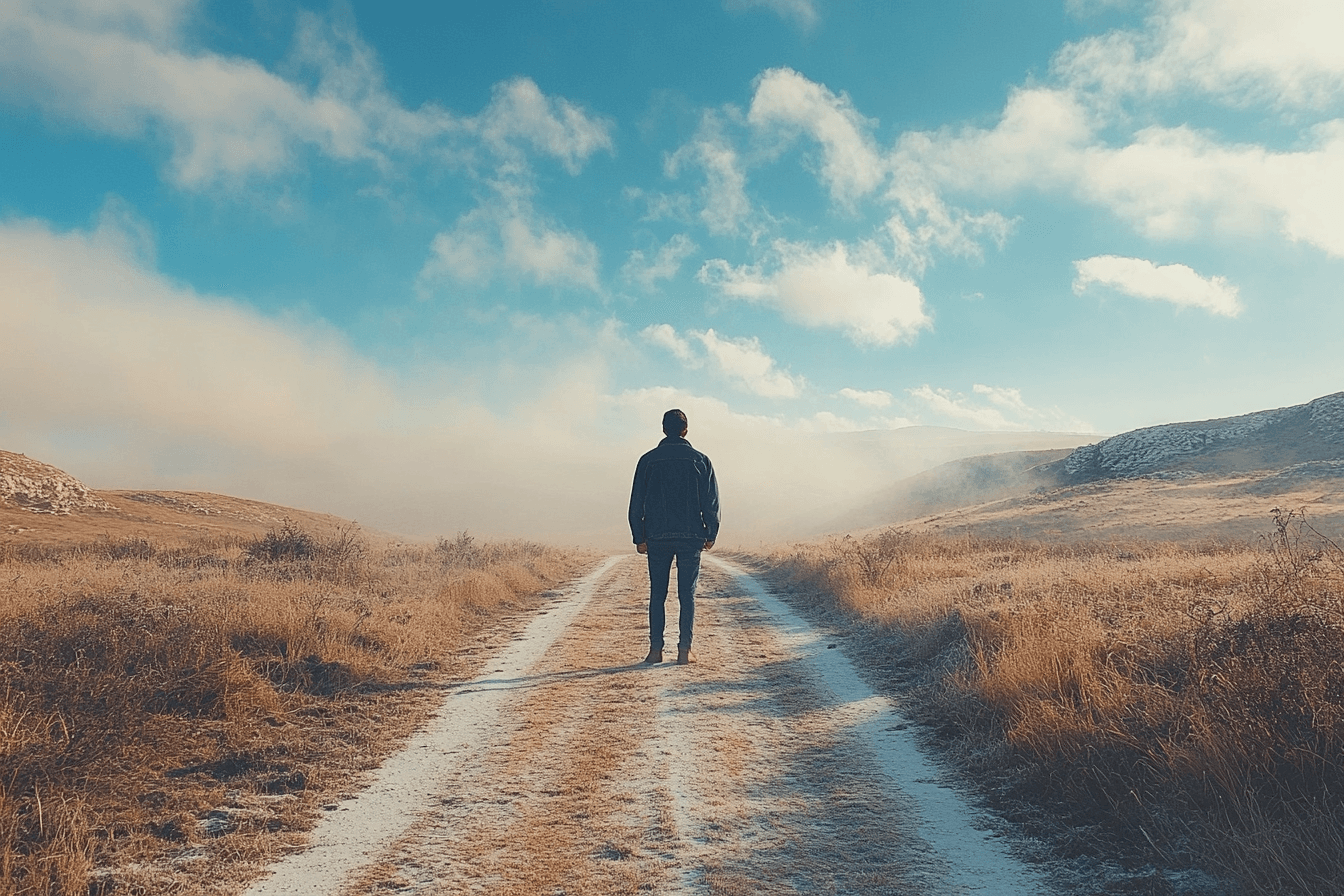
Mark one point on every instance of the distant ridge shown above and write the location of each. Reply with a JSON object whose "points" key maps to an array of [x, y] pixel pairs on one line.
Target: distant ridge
{"points": [[1270, 452], [40, 503], [1263, 440], [42, 488]]}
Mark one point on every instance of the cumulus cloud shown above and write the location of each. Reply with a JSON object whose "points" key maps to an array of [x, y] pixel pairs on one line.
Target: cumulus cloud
{"points": [[1169, 181], [994, 408], [802, 13], [665, 336], [1174, 283], [510, 240], [872, 398], [519, 111], [124, 69], [827, 287], [98, 338], [724, 206], [744, 360], [790, 104], [1286, 54], [740, 359], [664, 264]]}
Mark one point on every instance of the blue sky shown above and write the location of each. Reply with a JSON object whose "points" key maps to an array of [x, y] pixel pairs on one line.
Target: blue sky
{"points": [[430, 264]]}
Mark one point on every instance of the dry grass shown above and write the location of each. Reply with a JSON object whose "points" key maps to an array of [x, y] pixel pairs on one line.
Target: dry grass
{"points": [[170, 708], [1174, 705]]}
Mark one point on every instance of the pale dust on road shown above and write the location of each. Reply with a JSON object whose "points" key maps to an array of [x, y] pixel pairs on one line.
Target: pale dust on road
{"points": [[570, 768]]}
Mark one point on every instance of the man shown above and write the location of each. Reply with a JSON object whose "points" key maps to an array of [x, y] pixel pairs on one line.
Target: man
{"points": [[674, 512]]}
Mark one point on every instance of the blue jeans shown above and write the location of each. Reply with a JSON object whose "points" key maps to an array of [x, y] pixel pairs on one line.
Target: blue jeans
{"points": [[660, 571]]}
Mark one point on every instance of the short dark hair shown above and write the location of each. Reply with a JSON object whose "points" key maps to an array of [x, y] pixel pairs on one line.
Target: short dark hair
{"points": [[674, 421]]}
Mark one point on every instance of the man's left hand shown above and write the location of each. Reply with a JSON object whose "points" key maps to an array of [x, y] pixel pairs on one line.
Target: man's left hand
{"points": [[642, 547], [709, 544]]}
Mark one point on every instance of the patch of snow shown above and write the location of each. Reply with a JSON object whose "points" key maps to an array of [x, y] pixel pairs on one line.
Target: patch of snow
{"points": [[1148, 450]]}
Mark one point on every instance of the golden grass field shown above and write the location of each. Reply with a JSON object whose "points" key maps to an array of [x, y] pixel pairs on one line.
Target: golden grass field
{"points": [[1142, 669], [178, 706], [1176, 704]]}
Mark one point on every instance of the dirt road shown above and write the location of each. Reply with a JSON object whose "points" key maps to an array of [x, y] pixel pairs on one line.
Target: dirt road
{"points": [[568, 768]]}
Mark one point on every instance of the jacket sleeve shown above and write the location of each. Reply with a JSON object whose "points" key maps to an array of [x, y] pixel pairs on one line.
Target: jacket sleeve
{"points": [[709, 502], [638, 491]]}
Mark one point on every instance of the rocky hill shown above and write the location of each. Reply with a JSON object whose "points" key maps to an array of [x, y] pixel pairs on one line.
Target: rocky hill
{"points": [[42, 488], [40, 503], [1212, 473], [1264, 440]]}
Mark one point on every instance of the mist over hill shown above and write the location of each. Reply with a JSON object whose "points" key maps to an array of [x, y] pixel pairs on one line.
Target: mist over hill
{"points": [[1263, 440], [1295, 451]]}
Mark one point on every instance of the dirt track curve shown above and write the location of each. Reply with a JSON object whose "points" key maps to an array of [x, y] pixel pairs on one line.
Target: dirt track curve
{"points": [[568, 768]]}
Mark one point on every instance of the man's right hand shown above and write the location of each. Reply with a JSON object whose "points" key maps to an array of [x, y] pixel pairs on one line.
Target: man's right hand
{"points": [[642, 547], [709, 544]]}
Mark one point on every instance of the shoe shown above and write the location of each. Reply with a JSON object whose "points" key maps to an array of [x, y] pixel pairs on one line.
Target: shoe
{"points": [[684, 657], [655, 656]]}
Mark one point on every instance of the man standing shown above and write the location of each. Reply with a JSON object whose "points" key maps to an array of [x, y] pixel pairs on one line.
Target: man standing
{"points": [[674, 512]]}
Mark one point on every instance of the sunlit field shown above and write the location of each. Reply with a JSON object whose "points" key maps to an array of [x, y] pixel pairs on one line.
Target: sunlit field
{"points": [[1172, 704], [168, 708]]}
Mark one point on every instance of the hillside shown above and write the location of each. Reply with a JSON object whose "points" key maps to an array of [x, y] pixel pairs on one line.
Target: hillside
{"points": [[1263, 440], [1211, 478], [40, 503]]}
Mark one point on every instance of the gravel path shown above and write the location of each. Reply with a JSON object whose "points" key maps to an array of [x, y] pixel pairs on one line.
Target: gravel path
{"points": [[568, 768]]}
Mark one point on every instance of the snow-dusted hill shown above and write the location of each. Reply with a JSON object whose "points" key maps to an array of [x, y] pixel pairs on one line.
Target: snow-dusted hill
{"points": [[1264, 440], [1283, 450]]}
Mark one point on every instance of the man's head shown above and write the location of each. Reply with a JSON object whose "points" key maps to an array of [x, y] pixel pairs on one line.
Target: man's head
{"points": [[674, 423]]}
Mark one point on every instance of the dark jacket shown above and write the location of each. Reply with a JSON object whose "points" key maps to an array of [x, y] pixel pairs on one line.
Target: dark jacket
{"points": [[675, 494]]}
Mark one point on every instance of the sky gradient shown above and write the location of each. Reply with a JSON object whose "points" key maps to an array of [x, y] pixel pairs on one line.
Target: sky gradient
{"points": [[443, 265]]}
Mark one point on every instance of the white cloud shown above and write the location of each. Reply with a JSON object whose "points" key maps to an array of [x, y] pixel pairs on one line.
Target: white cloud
{"points": [[802, 13], [743, 359], [552, 257], [512, 241], [1285, 53], [99, 339], [1169, 182], [1174, 283], [739, 359], [724, 203], [873, 398], [664, 265], [997, 409], [123, 69], [518, 110], [665, 335], [826, 287], [927, 224], [945, 403], [789, 103]]}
